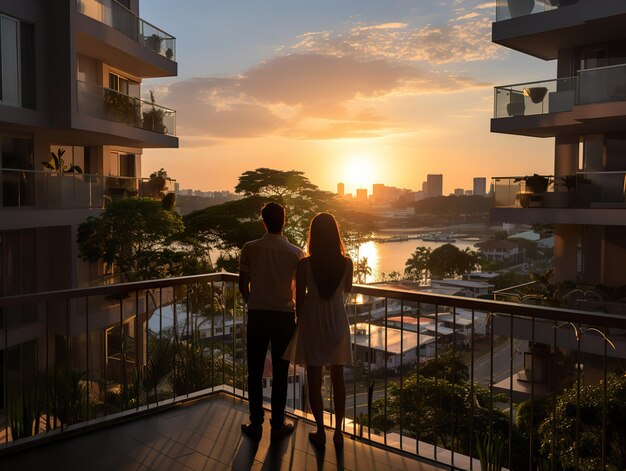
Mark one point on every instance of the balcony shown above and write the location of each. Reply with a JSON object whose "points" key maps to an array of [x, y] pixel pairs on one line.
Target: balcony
{"points": [[592, 101], [115, 15], [594, 198], [156, 353], [110, 105], [507, 9], [30, 189], [543, 27]]}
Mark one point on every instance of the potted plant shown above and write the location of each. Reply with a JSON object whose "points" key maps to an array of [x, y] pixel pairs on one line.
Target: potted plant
{"points": [[154, 42], [153, 118], [169, 53], [57, 164], [121, 108], [534, 187]]}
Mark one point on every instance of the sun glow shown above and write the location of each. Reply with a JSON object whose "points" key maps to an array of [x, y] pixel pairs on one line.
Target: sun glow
{"points": [[359, 172]]}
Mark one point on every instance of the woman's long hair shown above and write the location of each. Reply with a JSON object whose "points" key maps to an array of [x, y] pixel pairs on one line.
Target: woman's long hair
{"points": [[327, 254]]}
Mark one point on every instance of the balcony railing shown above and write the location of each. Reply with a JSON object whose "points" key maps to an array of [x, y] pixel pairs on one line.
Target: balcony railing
{"points": [[531, 98], [598, 85], [536, 381], [122, 19], [580, 190], [105, 103], [53, 190], [506, 9]]}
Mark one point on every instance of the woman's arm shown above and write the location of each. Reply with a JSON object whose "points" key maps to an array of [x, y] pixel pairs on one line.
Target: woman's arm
{"points": [[348, 283], [300, 285]]}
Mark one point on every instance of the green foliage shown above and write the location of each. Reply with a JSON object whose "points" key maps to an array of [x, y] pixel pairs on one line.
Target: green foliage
{"points": [[230, 225], [23, 412], [416, 267], [169, 202], [361, 270], [590, 426], [153, 118], [435, 410], [57, 164], [136, 236], [68, 396], [122, 108], [448, 261], [448, 365], [490, 451]]}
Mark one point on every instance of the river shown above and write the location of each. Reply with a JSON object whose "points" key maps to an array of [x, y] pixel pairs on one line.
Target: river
{"points": [[391, 256]]}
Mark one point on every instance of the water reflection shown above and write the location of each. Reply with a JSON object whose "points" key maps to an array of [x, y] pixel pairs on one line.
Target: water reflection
{"points": [[385, 258]]}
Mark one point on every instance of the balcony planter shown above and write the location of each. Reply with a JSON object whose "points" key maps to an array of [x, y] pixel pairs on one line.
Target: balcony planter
{"points": [[153, 118], [535, 187], [121, 108], [520, 7], [536, 94]]}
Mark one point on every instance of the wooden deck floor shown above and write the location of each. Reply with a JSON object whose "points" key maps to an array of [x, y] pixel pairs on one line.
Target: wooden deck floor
{"points": [[203, 435]]}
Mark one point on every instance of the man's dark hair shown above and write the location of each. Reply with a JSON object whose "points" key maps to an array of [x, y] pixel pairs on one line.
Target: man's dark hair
{"points": [[273, 216]]}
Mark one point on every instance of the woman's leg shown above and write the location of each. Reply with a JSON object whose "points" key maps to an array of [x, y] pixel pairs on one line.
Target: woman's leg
{"points": [[339, 397], [314, 379]]}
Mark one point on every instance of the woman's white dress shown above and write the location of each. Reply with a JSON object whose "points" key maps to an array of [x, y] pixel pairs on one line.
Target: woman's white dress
{"points": [[322, 334]]}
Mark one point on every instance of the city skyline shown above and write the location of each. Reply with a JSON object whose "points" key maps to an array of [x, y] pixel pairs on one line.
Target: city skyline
{"points": [[352, 92]]}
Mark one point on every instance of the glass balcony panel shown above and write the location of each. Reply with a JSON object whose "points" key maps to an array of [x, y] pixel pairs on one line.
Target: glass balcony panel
{"points": [[534, 98], [122, 19], [604, 84], [108, 104], [522, 192], [506, 9]]}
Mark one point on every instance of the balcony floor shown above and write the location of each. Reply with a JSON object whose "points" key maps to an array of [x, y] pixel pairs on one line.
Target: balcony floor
{"points": [[202, 435]]}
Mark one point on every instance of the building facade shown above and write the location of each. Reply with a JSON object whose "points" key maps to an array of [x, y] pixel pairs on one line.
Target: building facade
{"points": [[480, 186], [584, 109]]}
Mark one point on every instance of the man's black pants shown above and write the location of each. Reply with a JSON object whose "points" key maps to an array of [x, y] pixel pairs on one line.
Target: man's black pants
{"points": [[265, 327]]}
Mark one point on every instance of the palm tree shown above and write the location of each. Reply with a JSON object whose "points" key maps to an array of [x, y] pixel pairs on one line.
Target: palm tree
{"points": [[362, 270], [416, 267]]}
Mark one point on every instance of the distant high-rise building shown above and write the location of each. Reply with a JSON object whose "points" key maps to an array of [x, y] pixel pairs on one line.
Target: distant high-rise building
{"points": [[177, 188], [480, 186], [434, 185], [341, 189], [459, 192], [378, 192], [361, 194]]}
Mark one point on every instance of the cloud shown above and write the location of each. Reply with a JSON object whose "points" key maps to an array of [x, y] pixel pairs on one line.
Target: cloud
{"points": [[465, 38], [280, 94]]}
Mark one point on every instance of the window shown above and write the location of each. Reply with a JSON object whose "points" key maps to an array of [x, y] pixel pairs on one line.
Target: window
{"points": [[17, 62]]}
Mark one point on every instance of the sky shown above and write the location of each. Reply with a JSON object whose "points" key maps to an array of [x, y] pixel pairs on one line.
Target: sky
{"points": [[353, 91]]}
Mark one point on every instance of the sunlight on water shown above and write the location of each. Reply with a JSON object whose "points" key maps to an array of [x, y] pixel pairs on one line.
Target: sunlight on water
{"points": [[370, 251]]}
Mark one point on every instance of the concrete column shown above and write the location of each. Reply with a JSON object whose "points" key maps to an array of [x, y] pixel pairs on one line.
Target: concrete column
{"points": [[566, 252], [566, 154]]}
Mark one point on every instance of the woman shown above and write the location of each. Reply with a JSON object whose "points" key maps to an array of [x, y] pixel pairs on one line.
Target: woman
{"points": [[323, 334]]}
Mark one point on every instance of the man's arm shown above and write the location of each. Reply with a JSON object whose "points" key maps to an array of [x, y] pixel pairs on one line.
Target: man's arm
{"points": [[244, 284]]}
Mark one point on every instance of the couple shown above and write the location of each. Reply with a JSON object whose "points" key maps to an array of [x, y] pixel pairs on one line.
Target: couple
{"points": [[268, 268]]}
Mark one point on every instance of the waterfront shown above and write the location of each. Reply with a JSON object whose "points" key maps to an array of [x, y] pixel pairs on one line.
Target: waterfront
{"points": [[384, 258]]}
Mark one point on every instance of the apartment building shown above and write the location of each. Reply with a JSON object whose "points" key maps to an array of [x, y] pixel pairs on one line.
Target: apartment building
{"points": [[71, 95], [584, 109], [73, 127]]}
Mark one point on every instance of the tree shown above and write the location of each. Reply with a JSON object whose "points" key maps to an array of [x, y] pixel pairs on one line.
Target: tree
{"points": [[435, 410], [448, 261], [362, 270], [416, 267], [586, 418], [134, 237], [449, 366], [228, 226]]}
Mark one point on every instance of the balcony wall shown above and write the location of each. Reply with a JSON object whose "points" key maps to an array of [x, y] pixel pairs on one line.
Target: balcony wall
{"points": [[592, 101], [169, 343], [109, 32], [543, 27], [29, 189]]}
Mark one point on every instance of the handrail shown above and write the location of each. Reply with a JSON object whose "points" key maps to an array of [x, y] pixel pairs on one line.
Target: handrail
{"points": [[485, 305], [534, 82]]}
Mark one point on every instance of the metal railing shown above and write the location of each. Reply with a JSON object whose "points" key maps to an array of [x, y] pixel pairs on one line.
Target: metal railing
{"points": [[105, 103], [439, 377], [122, 19], [580, 190], [506, 9], [21, 188]]}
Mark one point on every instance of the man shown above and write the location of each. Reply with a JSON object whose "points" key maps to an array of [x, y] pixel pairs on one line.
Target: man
{"points": [[266, 280]]}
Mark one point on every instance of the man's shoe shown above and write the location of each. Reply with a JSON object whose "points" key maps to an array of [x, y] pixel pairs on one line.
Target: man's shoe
{"points": [[253, 432], [281, 432]]}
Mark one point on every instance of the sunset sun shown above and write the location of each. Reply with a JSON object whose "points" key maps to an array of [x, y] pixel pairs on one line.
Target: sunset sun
{"points": [[359, 172]]}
